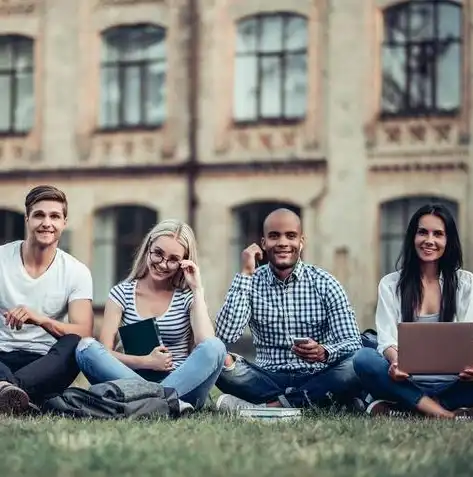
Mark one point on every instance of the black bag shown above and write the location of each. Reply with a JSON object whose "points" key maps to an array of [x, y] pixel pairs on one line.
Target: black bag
{"points": [[369, 338], [122, 398]]}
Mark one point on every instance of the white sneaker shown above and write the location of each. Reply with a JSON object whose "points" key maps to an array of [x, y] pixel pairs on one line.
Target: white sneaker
{"points": [[185, 407], [388, 409], [229, 403]]}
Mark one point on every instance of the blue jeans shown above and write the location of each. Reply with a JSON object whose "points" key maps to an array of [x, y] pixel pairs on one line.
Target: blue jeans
{"points": [[372, 369], [247, 381], [192, 380]]}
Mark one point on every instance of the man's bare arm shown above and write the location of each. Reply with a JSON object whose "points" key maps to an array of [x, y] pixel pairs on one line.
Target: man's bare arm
{"points": [[81, 319]]}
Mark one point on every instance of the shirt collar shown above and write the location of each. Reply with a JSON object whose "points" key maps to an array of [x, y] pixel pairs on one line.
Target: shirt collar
{"points": [[296, 274]]}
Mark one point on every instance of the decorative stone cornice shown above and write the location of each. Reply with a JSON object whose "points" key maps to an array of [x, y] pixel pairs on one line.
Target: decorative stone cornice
{"points": [[107, 3], [418, 166], [18, 7]]}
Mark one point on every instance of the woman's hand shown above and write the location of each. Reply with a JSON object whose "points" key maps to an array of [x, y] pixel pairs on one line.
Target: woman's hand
{"points": [[159, 359], [396, 374], [191, 274], [467, 374]]}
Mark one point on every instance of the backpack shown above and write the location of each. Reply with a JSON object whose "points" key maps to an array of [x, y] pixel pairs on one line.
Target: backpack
{"points": [[369, 338], [121, 398]]}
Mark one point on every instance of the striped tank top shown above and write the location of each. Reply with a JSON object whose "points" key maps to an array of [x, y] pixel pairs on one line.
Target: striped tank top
{"points": [[174, 325]]}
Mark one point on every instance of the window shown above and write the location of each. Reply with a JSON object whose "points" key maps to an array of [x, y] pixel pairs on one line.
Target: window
{"points": [[12, 226], [422, 58], [118, 232], [271, 68], [16, 84], [133, 77], [395, 216], [248, 222], [65, 241]]}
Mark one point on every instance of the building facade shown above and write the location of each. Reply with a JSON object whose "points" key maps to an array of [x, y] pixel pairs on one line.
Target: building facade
{"points": [[351, 112]]}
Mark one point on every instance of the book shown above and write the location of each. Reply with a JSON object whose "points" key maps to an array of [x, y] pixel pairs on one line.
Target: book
{"points": [[140, 338], [271, 414]]}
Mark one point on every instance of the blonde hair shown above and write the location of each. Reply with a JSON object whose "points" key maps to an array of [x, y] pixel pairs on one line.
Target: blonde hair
{"points": [[182, 232]]}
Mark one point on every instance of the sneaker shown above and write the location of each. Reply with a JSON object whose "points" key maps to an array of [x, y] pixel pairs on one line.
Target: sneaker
{"points": [[13, 400], [355, 406], [185, 408], [463, 414], [229, 403], [386, 408]]}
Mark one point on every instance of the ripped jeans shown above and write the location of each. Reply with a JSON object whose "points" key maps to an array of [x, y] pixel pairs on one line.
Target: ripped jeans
{"points": [[192, 380], [245, 380]]}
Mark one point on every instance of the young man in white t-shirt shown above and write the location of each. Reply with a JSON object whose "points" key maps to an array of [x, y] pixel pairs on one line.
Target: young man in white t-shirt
{"points": [[45, 306]]}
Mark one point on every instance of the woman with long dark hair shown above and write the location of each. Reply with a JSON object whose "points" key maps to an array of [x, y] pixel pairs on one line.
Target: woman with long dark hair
{"points": [[429, 286]]}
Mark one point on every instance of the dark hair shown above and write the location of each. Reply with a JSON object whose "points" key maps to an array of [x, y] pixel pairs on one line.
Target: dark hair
{"points": [[45, 192], [410, 285]]}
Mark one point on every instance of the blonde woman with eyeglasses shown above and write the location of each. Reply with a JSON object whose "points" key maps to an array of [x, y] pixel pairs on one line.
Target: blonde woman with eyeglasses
{"points": [[164, 284]]}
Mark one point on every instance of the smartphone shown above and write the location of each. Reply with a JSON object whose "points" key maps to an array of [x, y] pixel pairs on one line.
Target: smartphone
{"points": [[298, 340]]}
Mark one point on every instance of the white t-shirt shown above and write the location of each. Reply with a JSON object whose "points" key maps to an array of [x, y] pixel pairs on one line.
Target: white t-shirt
{"points": [[66, 280]]}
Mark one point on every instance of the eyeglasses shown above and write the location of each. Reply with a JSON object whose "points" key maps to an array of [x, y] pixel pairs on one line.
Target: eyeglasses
{"points": [[157, 256]]}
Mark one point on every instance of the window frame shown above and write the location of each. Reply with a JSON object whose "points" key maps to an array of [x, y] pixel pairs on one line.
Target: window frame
{"points": [[121, 65], [260, 55], [430, 44], [12, 73], [118, 241]]}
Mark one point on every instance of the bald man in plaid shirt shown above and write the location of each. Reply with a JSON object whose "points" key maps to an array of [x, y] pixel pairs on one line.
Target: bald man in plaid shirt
{"points": [[283, 300]]}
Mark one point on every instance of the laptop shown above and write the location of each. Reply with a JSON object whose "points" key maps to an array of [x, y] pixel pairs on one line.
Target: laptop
{"points": [[435, 348]]}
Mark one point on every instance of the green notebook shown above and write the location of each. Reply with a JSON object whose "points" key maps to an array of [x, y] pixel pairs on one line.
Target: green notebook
{"points": [[140, 338]]}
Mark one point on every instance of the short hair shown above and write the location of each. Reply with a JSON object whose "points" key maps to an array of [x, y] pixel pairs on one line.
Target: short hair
{"points": [[45, 192]]}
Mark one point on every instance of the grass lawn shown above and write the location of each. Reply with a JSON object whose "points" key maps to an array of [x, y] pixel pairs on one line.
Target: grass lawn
{"points": [[214, 445]]}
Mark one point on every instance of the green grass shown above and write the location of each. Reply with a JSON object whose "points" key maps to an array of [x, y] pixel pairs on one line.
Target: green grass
{"points": [[213, 445]]}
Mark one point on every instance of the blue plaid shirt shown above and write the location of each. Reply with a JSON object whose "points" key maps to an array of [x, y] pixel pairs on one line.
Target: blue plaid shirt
{"points": [[309, 303]]}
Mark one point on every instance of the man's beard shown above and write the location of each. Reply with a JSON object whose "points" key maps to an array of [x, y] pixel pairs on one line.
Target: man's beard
{"points": [[282, 266]]}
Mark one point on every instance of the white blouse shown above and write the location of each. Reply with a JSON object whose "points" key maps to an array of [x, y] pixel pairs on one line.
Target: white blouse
{"points": [[388, 309]]}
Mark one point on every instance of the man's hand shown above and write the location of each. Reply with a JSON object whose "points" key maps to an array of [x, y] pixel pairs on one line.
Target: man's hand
{"points": [[396, 374], [312, 352], [249, 257], [17, 317], [467, 374]]}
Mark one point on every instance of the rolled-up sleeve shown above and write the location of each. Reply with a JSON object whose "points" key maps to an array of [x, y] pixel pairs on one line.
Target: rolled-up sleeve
{"points": [[343, 328]]}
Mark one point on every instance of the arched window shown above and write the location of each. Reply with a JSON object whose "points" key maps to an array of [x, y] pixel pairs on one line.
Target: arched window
{"points": [[133, 77], [271, 68], [422, 58], [16, 84], [65, 241], [12, 226], [118, 232], [395, 216], [248, 223]]}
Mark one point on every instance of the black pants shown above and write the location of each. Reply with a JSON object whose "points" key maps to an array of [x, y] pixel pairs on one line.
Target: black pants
{"points": [[42, 376]]}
